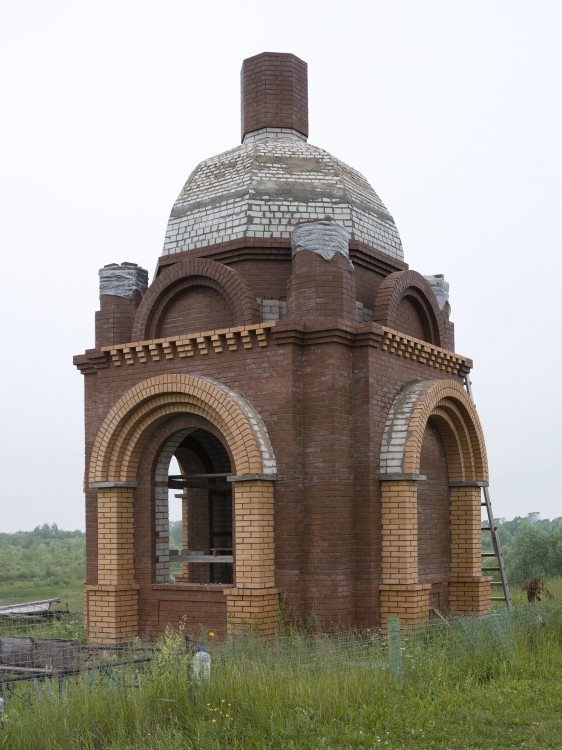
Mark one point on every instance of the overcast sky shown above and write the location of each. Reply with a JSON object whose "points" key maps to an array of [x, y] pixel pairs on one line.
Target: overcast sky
{"points": [[452, 110]]}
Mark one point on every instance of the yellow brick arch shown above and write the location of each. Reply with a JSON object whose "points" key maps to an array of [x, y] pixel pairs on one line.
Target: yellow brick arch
{"points": [[447, 404], [130, 422]]}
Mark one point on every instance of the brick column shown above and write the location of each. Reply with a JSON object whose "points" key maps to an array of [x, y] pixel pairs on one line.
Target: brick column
{"points": [[469, 590], [121, 291], [274, 91], [183, 577], [253, 601], [112, 604], [401, 593], [322, 283]]}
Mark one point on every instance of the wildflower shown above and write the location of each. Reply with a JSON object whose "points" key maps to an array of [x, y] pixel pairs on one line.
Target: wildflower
{"points": [[211, 634]]}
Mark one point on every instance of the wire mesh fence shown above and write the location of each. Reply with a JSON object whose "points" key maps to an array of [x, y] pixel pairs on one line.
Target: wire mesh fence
{"points": [[42, 653]]}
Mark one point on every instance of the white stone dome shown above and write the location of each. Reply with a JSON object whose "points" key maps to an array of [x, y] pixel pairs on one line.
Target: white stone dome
{"points": [[264, 187]]}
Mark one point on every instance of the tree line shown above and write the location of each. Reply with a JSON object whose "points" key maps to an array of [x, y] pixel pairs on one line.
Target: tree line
{"points": [[532, 547], [47, 555]]}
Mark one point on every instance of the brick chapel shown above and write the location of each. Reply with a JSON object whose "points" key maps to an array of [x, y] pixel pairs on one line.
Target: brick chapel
{"points": [[306, 382]]}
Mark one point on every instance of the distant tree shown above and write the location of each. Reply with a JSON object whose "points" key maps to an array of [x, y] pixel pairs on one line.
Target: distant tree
{"points": [[176, 535], [528, 554], [555, 558]]}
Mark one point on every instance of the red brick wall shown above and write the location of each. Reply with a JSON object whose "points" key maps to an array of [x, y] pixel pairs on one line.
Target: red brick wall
{"points": [[410, 319], [196, 309], [434, 551]]}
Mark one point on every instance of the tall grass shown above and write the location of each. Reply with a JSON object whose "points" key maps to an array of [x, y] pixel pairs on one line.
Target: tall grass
{"points": [[469, 685]]}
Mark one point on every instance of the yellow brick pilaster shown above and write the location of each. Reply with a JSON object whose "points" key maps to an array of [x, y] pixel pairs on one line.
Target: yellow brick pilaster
{"points": [[399, 531], [253, 602]]}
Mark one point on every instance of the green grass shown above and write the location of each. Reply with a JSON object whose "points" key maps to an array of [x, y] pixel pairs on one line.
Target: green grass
{"points": [[16, 592], [472, 686], [554, 585]]}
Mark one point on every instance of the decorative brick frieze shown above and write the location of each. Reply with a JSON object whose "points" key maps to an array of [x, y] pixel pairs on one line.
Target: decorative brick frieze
{"points": [[227, 339], [259, 336], [409, 347]]}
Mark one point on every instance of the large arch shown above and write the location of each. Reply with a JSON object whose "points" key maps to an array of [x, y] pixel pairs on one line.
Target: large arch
{"points": [[124, 431], [185, 275], [112, 603], [446, 404], [410, 286]]}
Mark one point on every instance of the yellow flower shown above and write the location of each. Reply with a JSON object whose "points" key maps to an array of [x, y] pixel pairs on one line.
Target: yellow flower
{"points": [[211, 634], [214, 721]]}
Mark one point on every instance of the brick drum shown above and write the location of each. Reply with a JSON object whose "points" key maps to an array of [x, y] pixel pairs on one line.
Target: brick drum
{"points": [[306, 382]]}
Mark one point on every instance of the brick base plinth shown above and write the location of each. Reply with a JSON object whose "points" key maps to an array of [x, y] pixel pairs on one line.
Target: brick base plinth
{"points": [[409, 601], [470, 594], [111, 612], [252, 609]]}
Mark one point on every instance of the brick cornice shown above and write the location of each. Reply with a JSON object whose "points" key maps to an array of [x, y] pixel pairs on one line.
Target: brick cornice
{"points": [[279, 333], [258, 248]]}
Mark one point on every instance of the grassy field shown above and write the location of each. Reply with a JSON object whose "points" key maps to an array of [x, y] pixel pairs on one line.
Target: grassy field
{"points": [[71, 594], [467, 687]]}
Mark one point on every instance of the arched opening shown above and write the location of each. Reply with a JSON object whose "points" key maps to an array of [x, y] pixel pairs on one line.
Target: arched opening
{"points": [[433, 464], [215, 435], [203, 551]]}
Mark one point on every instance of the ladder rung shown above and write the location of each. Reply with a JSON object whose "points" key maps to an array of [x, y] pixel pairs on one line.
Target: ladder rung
{"points": [[497, 583], [491, 570], [488, 528], [498, 599], [488, 554]]}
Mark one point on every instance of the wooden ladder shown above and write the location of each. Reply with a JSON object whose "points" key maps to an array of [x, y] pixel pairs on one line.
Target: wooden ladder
{"points": [[495, 557]]}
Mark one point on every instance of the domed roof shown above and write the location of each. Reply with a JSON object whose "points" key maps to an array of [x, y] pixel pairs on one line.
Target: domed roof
{"points": [[264, 187], [275, 179]]}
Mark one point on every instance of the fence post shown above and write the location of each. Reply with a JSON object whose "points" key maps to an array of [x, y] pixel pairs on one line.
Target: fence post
{"points": [[394, 649]]}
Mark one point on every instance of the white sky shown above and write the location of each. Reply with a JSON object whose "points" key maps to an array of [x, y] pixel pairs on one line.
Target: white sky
{"points": [[451, 109]]}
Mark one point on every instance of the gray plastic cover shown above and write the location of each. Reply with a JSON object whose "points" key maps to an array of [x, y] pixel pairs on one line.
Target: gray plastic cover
{"points": [[326, 238], [440, 288], [123, 281]]}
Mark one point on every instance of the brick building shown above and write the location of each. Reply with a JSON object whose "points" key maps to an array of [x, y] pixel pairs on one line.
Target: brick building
{"points": [[306, 382]]}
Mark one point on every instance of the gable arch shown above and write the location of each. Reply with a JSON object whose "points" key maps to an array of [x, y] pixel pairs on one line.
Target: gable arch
{"points": [[185, 276], [448, 405], [128, 425], [410, 287]]}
